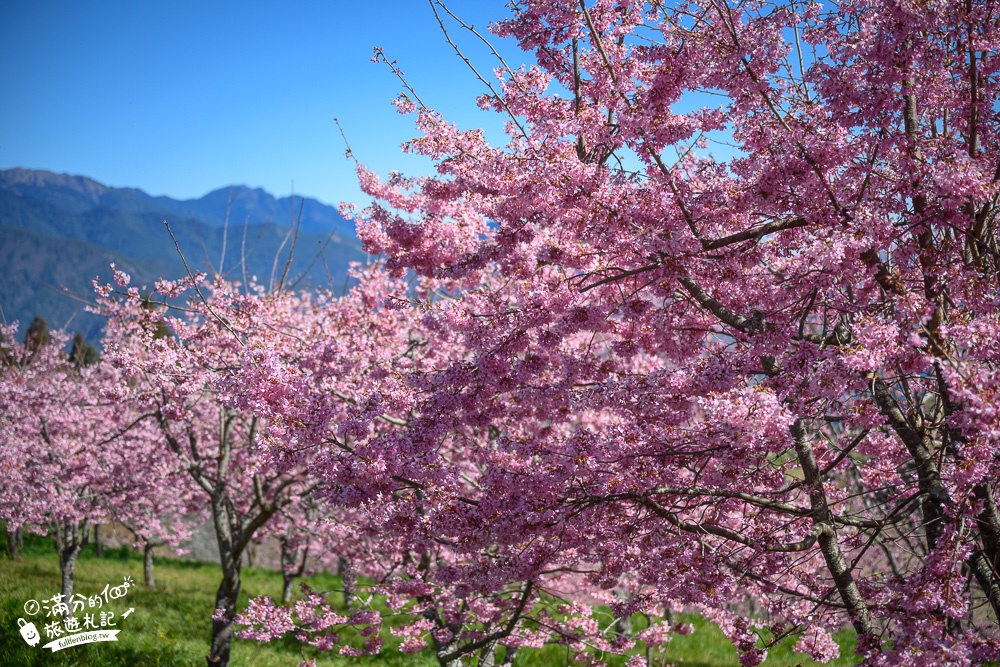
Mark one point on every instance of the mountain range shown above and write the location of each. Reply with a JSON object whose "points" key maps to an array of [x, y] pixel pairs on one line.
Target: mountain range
{"points": [[59, 231]]}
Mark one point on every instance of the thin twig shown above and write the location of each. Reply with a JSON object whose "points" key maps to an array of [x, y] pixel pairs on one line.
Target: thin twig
{"points": [[381, 57], [296, 225], [225, 229], [485, 41], [497, 96], [350, 152], [197, 288], [243, 253]]}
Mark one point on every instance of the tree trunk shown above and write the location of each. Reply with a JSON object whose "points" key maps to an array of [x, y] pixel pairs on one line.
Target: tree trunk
{"points": [[287, 569], [441, 650], [71, 537], [985, 561], [147, 565], [836, 563], [348, 579], [230, 557], [623, 625], [488, 655], [921, 449], [225, 613], [97, 540], [14, 541]]}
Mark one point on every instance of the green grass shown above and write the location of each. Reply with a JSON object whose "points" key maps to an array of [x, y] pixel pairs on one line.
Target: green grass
{"points": [[171, 625]]}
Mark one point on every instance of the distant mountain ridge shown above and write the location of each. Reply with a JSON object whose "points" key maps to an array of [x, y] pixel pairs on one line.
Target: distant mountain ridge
{"points": [[58, 230], [79, 193]]}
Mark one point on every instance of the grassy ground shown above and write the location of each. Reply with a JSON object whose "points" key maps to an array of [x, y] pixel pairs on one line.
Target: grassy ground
{"points": [[171, 625]]}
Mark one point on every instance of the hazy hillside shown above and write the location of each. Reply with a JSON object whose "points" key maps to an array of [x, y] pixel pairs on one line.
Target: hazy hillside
{"points": [[57, 232], [43, 275]]}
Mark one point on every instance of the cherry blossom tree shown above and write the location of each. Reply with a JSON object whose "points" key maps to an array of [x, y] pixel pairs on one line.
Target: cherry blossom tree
{"points": [[166, 518], [770, 373], [73, 453], [179, 347], [425, 533]]}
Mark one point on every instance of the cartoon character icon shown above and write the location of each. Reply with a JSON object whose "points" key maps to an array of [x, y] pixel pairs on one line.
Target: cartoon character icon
{"points": [[29, 632]]}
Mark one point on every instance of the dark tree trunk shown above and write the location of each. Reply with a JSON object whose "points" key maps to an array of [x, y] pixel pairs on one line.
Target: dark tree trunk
{"points": [[231, 544], [223, 622], [293, 564], [97, 540], [985, 561], [829, 545], [147, 565], [14, 542], [623, 625], [348, 579], [445, 651], [67, 567], [288, 564], [488, 655], [71, 537], [441, 650]]}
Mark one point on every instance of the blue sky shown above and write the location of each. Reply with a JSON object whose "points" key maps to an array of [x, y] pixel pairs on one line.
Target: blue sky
{"points": [[180, 98]]}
